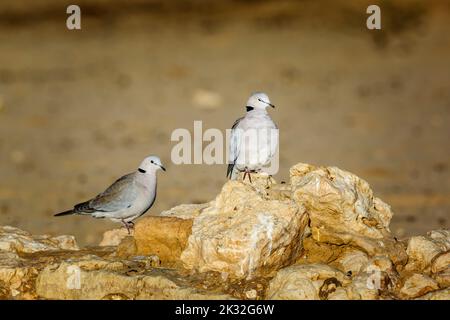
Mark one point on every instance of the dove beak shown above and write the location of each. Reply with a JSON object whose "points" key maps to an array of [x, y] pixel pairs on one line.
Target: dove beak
{"points": [[271, 105], [164, 169]]}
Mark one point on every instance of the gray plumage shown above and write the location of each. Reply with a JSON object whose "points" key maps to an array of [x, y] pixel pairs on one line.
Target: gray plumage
{"points": [[127, 198]]}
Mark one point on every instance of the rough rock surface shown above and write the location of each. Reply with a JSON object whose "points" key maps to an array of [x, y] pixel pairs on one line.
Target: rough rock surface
{"points": [[94, 278], [16, 240], [306, 282], [344, 211], [243, 233], [417, 285], [423, 249], [324, 235]]}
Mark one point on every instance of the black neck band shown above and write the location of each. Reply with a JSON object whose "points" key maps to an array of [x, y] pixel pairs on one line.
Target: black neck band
{"points": [[142, 170], [249, 108]]}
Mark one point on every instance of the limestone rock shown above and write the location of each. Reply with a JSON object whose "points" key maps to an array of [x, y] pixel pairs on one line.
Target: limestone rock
{"points": [[113, 237], [16, 240], [422, 249], [16, 278], [243, 232], [417, 285], [440, 262], [305, 282], [440, 268], [443, 278], [323, 236], [101, 279], [343, 210], [165, 237], [185, 211], [443, 294], [352, 261]]}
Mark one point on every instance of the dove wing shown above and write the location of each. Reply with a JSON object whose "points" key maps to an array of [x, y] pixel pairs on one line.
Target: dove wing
{"points": [[235, 143], [120, 195]]}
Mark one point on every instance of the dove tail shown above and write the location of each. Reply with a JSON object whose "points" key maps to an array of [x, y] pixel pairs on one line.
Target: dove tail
{"points": [[65, 213]]}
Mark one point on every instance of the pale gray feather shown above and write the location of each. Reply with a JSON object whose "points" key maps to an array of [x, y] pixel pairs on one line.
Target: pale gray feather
{"points": [[120, 195]]}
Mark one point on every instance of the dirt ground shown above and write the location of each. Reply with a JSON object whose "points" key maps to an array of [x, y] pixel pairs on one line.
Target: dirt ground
{"points": [[78, 109]]}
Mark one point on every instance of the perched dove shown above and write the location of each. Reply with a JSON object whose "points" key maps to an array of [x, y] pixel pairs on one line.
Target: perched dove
{"points": [[126, 199], [254, 138]]}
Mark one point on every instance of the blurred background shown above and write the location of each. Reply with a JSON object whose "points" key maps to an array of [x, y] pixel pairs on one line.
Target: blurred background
{"points": [[78, 109]]}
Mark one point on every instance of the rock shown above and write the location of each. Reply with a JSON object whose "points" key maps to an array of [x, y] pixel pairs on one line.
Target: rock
{"points": [[344, 211], [243, 233], [324, 236], [440, 262], [305, 282], [376, 280], [422, 249], [165, 237], [185, 211], [93, 278], [16, 240], [113, 237], [251, 294], [443, 294], [351, 261], [440, 268], [417, 285], [319, 252], [16, 278], [443, 278]]}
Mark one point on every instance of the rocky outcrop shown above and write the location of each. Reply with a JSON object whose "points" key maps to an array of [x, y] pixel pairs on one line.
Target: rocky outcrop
{"points": [[323, 236], [19, 241], [343, 210], [94, 278], [244, 233]]}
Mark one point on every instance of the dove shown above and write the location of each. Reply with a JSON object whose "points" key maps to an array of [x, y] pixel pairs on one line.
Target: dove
{"points": [[253, 139], [127, 198]]}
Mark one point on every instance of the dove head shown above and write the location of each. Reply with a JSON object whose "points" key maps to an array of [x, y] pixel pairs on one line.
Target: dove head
{"points": [[258, 100], [151, 164]]}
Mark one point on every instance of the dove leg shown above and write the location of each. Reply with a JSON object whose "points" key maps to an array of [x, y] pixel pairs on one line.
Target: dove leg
{"points": [[129, 225], [247, 172]]}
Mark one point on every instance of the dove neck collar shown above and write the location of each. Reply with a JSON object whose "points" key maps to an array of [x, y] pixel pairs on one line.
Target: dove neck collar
{"points": [[255, 110]]}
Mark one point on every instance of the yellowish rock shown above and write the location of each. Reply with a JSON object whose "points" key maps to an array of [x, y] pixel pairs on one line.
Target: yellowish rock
{"points": [[16, 240], [343, 210], [16, 277], [185, 211], [417, 285], [306, 282], [165, 237], [113, 237], [443, 294], [243, 233], [440, 262], [440, 268], [352, 261], [423, 249], [101, 279]]}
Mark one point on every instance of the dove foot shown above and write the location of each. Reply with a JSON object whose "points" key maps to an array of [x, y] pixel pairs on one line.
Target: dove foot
{"points": [[129, 225]]}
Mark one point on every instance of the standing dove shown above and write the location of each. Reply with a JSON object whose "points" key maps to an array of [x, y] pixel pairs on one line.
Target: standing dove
{"points": [[254, 138], [126, 199]]}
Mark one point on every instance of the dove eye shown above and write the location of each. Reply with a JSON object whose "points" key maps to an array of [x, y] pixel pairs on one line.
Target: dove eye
{"points": [[151, 161]]}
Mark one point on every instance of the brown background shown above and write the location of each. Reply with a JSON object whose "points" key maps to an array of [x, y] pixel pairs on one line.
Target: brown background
{"points": [[78, 109]]}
